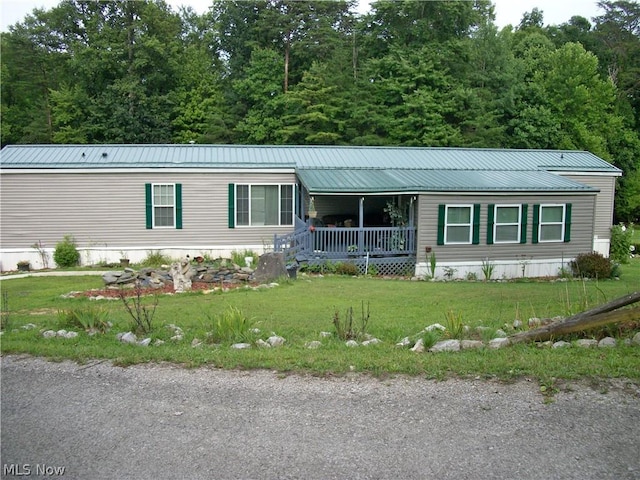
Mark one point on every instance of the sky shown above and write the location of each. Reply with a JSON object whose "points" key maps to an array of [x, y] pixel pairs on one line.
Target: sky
{"points": [[507, 11]]}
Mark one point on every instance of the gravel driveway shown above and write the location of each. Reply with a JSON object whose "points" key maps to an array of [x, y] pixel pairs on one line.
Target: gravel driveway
{"points": [[163, 422]]}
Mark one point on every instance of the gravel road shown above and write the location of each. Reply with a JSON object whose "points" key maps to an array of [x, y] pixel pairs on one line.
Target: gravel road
{"points": [[97, 421]]}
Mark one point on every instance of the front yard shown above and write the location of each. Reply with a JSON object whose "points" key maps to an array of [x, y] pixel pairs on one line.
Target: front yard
{"points": [[301, 310]]}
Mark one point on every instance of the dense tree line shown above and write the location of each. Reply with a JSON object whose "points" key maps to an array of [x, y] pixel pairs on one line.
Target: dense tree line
{"points": [[408, 73]]}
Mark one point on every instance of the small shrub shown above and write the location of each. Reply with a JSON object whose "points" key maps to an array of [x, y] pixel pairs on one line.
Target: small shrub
{"points": [[230, 326], [432, 264], [472, 276], [141, 315], [621, 237], [591, 265], [372, 270], [5, 319], [346, 268], [66, 253], [429, 339], [88, 318], [345, 328]]}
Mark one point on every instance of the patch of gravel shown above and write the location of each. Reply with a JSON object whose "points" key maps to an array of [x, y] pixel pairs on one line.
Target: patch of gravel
{"points": [[164, 421]]}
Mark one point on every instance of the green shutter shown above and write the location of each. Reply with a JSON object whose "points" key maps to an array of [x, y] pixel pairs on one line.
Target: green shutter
{"points": [[149, 205], [523, 223], [491, 210], [567, 223], [232, 205], [441, 210], [476, 224], [535, 228], [178, 205]]}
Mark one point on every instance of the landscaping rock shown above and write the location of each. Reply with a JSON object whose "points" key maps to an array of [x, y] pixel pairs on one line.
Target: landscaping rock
{"points": [[561, 344], [446, 346], [418, 347], [471, 344], [586, 343], [607, 342], [329, 334], [435, 326], [276, 341], [241, 346], [405, 342], [636, 339], [128, 337], [351, 343], [313, 344], [49, 334], [499, 342], [271, 266], [144, 342], [517, 324], [261, 343], [196, 342], [371, 341]]}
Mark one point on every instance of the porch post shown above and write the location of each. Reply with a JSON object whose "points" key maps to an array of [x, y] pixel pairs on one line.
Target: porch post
{"points": [[361, 227]]}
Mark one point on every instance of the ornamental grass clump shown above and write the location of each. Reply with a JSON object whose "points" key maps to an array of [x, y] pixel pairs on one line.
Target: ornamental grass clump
{"points": [[230, 326]]}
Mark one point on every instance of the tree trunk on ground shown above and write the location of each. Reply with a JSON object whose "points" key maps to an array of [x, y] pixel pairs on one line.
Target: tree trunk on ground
{"points": [[610, 312]]}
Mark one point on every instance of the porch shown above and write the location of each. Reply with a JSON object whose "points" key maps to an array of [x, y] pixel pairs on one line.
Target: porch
{"points": [[392, 250]]}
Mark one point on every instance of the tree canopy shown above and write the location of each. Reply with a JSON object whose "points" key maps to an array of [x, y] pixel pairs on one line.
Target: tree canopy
{"points": [[313, 72]]}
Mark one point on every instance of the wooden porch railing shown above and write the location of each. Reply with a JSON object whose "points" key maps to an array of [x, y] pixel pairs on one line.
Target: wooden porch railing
{"points": [[341, 242]]}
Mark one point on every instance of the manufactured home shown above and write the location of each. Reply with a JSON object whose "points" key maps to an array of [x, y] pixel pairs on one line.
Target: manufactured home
{"points": [[395, 209]]}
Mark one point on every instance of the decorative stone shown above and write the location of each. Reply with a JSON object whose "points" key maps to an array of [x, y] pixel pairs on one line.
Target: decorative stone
{"points": [[418, 347], [128, 337], [499, 342], [49, 334], [607, 342], [326, 334], [446, 346], [636, 339], [313, 344], [262, 344], [517, 324], [471, 344], [196, 342], [158, 342], [61, 333], [29, 326], [144, 342], [271, 266], [241, 346], [351, 343], [405, 342], [561, 344], [500, 333], [177, 338], [372, 341], [435, 326], [276, 341], [586, 343]]}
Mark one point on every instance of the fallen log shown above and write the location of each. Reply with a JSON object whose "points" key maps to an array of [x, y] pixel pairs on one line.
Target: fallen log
{"points": [[611, 312]]}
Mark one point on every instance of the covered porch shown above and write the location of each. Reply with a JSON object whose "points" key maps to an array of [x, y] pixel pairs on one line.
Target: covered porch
{"points": [[374, 230]]}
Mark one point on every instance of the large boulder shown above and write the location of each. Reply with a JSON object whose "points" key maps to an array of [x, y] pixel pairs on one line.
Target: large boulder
{"points": [[270, 267]]}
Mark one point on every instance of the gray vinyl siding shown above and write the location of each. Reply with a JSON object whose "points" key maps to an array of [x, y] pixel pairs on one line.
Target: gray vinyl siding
{"points": [[604, 201], [108, 209], [581, 229]]}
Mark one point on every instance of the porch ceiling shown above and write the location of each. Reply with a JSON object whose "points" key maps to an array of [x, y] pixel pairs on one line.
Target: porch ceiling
{"points": [[323, 180]]}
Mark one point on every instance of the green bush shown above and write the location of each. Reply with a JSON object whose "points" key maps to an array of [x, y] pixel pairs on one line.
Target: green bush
{"points": [[87, 318], [230, 326], [66, 253], [347, 268], [621, 237], [591, 265]]}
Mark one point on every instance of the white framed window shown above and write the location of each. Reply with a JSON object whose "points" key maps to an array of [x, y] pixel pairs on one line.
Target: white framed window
{"points": [[507, 223], [551, 226], [458, 224], [164, 205], [264, 204]]}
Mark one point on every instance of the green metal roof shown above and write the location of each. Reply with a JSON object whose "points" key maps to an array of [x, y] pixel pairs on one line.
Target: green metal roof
{"points": [[332, 169]]}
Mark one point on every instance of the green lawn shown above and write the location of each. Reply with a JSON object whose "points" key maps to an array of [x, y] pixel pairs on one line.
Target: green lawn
{"points": [[299, 310]]}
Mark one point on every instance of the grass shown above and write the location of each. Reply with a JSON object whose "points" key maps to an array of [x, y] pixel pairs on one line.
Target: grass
{"points": [[299, 310]]}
